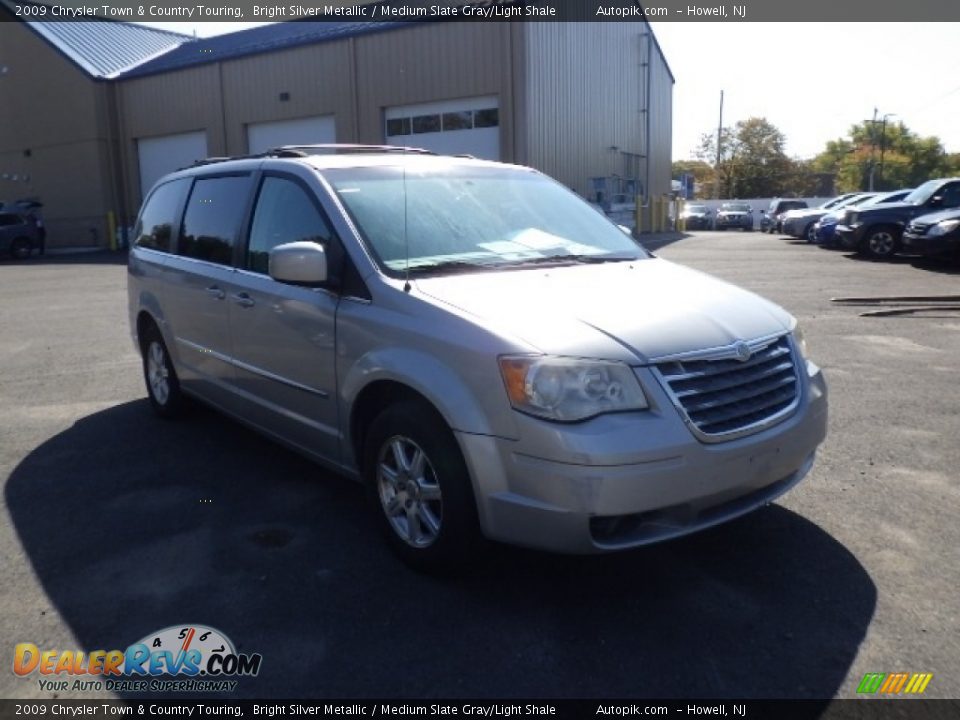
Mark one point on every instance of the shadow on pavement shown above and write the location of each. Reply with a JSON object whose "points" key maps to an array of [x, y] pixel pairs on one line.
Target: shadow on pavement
{"points": [[133, 524], [655, 241], [945, 265]]}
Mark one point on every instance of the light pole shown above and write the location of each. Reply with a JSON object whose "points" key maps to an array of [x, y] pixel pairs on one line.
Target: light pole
{"points": [[719, 145]]}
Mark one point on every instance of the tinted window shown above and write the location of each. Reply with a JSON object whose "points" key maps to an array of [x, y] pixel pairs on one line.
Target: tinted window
{"points": [[284, 214], [486, 118], [951, 196], [426, 123], [159, 216], [398, 126], [7, 219], [213, 216], [457, 121]]}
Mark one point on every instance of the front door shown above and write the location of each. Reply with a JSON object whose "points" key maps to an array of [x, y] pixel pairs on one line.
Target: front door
{"points": [[283, 336]]}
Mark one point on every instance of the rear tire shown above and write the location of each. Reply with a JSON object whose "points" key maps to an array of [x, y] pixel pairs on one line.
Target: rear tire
{"points": [[163, 386], [420, 488], [21, 248]]}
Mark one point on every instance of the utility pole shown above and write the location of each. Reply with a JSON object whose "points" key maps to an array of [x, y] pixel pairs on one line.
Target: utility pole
{"points": [[883, 145], [873, 147], [719, 145]]}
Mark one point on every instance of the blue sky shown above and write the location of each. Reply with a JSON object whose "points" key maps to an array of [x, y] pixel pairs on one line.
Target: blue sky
{"points": [[811, 80]]}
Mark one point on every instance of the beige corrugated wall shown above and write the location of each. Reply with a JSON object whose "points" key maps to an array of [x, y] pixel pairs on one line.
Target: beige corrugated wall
{"points": [[585, 100], [53, 131]]}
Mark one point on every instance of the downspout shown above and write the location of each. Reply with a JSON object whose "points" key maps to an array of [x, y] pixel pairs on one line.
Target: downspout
{"points": [[646, 142]]}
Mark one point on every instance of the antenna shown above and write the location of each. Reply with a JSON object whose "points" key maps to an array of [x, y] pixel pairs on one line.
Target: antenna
{"points": [[406, 235]]}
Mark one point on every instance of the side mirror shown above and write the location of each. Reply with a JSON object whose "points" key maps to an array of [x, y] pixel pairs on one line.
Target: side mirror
{"points": [[936, 201], [298, 263]]}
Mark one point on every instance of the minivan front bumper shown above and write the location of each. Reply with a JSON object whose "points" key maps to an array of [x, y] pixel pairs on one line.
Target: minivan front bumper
{"points": [[671, 485]]}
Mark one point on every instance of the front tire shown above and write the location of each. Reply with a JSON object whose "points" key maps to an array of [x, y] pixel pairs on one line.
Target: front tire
{"points": [[163, 386], [810, 234], [420, 488], [882, 243]]}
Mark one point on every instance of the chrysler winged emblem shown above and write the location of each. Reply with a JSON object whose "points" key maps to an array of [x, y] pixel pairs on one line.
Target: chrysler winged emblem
{"points": [[742, 351]]}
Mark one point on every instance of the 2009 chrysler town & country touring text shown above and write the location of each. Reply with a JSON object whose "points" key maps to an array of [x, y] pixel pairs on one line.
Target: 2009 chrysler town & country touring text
{"points": [[478, 345]]}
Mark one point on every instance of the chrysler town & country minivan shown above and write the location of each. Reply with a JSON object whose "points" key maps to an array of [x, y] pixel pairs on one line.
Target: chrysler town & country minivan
{"points": [[480, 347]]}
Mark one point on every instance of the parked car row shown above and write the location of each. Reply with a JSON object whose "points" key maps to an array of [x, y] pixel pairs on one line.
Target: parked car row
{"points": [[771, 219], [921, 221], [729, 216]]}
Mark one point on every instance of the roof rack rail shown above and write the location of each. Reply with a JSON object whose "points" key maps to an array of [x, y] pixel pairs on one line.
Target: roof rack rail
{"points": [[301, 151], [350, 148]]}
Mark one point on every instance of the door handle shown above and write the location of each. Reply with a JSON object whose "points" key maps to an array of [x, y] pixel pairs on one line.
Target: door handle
{"points": [[216, 292], [243, 300]]}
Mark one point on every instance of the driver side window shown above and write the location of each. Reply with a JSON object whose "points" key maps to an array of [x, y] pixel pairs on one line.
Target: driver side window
{"points": [[284, 214], [951, 196]]}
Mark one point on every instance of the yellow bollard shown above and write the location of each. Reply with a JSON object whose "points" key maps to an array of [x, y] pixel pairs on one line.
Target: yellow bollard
{"points": [[639, 220]]}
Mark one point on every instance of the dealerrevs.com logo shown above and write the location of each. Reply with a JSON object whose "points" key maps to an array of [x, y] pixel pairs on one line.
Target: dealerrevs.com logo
{"points": [[180, 658]]}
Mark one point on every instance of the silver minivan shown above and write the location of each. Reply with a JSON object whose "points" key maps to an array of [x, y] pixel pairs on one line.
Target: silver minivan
{"points": [[487, 353]]}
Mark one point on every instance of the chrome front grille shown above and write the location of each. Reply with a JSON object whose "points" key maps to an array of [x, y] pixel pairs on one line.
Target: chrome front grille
{"points": [[722, 396]]}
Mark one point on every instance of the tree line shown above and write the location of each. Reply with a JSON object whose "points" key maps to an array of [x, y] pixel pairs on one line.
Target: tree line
{"points": [[753, 162]]}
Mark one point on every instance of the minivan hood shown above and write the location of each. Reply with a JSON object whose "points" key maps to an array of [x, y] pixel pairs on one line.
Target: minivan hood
{"points": [[629, 311]]}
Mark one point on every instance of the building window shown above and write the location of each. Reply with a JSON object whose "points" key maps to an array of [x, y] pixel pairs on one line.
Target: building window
{"points": [[398, 126], [486, 118], [426, 124], [458, 121]]}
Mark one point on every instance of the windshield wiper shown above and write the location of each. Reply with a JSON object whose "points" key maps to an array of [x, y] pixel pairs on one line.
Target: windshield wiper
{"points": [[585, 259], [448, 266]]}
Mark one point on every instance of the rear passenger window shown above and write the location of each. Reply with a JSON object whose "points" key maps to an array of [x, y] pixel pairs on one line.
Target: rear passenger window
{"points": [[159, 216], [284, 213], [6, 220], [214, 213]]}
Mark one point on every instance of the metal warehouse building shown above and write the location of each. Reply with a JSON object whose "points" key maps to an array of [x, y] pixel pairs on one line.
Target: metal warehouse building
{"points": [[92, 113]]}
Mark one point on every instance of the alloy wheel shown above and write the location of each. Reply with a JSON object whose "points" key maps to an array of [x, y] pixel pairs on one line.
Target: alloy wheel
{"points": [[409, 491]]}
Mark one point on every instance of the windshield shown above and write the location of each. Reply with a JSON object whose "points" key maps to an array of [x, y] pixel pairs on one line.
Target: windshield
{"points": [[837, 201], [469, 217], [924, 192], [735, 207], [881, 199]]}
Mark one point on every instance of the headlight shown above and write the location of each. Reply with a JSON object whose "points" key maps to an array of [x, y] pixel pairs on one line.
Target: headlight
{"points": [[570, 389], [800, 341], [801, 345], [942, 228]]}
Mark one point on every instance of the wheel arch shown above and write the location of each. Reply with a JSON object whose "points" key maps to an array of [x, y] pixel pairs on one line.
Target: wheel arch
{"points": [[385, 377]]}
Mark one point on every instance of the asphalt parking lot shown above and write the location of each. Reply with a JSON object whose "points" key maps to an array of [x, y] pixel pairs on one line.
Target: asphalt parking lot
{"points": [[116, 524]]}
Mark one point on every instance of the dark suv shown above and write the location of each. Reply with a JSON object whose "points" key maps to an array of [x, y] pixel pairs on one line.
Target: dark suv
{"points": [[770, 220], [734, 215], [878, 230], [19, 235]]}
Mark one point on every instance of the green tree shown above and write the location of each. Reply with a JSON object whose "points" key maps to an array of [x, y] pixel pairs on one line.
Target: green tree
{"points": [[891, 154], [753, 162]]}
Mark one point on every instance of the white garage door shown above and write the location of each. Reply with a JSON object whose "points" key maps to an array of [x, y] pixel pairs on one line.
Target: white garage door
{"points": [[466, 126], [302, 131], [161, 155]]}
